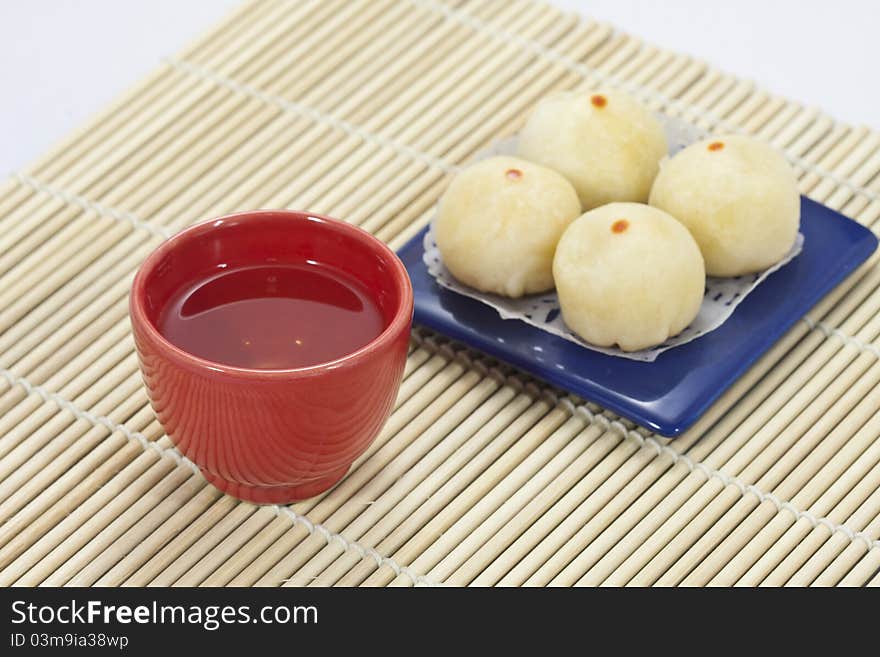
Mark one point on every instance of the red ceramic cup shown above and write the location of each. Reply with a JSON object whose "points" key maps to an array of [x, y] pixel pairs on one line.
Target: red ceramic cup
{"points": [[272, 435]]}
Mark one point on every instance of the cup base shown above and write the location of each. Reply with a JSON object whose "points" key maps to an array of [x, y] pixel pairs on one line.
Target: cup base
{"points": [[276, 494]]}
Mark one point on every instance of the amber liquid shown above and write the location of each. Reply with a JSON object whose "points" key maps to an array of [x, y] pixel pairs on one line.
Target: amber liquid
{"points": [[272, 317]]}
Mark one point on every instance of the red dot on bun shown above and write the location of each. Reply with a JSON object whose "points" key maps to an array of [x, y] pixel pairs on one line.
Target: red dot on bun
{"points": [[619, 226]]}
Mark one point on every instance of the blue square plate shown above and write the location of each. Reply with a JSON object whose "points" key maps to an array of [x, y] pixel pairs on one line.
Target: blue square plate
{"points": [[671, 393]]}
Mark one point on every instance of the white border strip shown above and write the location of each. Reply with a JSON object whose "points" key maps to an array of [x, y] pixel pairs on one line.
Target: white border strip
{"points": [[310, 113], [87, 205], [830, 331], [179, 459]]}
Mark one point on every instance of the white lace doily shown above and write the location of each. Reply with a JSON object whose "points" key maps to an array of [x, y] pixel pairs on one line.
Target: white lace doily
{"points": [[722, 295]]}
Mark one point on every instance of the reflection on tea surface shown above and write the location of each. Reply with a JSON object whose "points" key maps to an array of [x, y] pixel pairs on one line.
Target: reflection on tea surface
{"points": [[272, 317]]}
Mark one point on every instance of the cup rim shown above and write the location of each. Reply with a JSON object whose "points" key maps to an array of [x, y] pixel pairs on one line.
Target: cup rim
{"points": [[400, 321]]}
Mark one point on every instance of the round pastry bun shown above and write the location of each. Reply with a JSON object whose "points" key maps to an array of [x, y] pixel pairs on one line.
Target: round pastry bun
{"points": [[628, 274], [499, 223], [605, 142], [739, 199]]}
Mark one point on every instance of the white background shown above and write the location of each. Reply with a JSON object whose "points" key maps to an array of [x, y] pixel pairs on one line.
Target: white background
{"points": [[62, 60]]}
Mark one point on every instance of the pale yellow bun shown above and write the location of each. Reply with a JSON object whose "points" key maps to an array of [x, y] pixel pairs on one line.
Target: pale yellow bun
{"points": [[499, 223], [739, 199], [628, 274], [605, 143]]}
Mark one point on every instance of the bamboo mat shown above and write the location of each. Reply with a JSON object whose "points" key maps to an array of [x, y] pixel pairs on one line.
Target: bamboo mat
{"points": [[482, 476]]}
